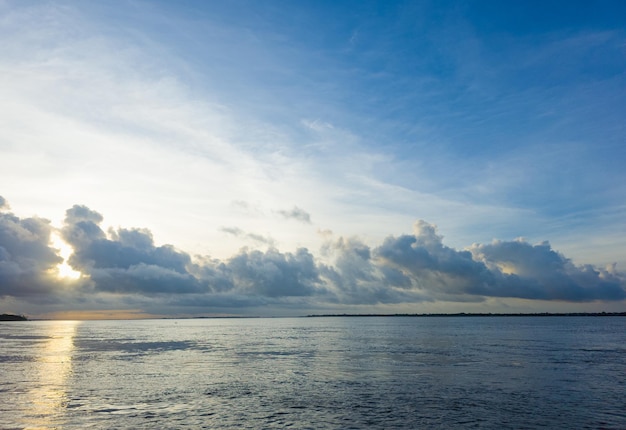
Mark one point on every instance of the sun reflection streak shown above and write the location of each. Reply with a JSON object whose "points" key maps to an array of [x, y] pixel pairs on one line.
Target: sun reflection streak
{"points": [[48, 399]]}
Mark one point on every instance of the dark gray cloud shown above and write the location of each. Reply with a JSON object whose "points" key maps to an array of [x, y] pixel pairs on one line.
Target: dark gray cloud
{"points": [[3, 204], [27, 261], [127, 261], [275, 274], [502, 269], [297, 214], [539, 272], [144, 278], [430, 265], [358, 278]]}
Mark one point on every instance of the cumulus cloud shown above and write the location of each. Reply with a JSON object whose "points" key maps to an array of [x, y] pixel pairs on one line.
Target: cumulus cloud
{"points": [[274, 274], [359, 278], [513, 269], [297, 214], [126, 261], [539, 272], [126, 264], [429, 265], [27, 261]]}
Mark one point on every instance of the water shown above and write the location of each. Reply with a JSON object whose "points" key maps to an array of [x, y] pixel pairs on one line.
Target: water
{"points": [[444, 372]]}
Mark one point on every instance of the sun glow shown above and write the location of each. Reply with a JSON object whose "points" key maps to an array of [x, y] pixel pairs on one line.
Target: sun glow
{"points": [[64, 270]]}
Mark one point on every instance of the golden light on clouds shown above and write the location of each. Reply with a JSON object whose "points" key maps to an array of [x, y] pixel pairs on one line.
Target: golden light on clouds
{"points": [[507, 268], [64, 270]]}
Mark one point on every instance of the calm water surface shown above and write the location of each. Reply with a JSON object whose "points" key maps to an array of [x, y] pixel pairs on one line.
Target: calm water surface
{"points": [[445, 372]]}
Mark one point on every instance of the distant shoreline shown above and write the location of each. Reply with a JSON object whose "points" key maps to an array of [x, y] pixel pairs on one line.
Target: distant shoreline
{"points": [[11, 317], [463, 314]]}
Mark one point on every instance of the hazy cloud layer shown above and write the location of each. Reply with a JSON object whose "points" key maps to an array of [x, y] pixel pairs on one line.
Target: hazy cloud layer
{"points": [[412, 268]]}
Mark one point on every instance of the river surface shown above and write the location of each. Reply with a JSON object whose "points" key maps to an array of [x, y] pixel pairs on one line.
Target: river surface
{"points": [[336, 373]]}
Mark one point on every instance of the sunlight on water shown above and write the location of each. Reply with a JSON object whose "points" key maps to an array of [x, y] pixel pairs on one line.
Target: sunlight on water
{"points": [[374, 373], [48, 399]]}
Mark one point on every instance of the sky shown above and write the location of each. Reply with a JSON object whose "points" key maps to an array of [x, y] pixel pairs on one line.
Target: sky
{"points": [[276, 158]]}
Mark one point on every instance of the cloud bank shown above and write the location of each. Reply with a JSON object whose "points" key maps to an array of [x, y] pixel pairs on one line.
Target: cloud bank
{"points": [[126, 267]]}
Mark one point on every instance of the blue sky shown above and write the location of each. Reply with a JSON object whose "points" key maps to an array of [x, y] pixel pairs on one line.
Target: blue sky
{"points": [[242, 130]]}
